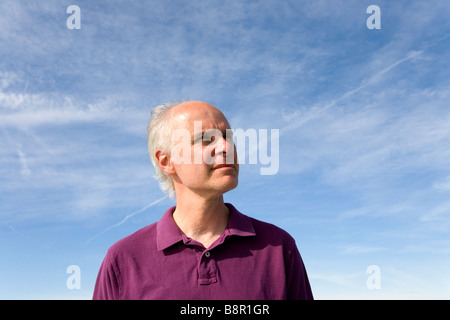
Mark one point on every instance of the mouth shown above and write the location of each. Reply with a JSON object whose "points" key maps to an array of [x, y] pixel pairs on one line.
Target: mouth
{"points": [[223, 166]]}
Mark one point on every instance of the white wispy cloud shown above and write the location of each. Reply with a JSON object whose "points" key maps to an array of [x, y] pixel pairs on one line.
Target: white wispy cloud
{"points": [[345, 280], [440, 213], [318, 111], [442, 184], [23, 110], [44, 133], [128, 216], [25, 170], [359, 249]]}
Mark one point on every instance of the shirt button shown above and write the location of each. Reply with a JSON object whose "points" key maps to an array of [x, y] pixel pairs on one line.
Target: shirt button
{"points": [[207, 254]]}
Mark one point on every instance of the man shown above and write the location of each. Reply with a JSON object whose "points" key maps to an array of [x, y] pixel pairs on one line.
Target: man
{"points": [[202, 248]]}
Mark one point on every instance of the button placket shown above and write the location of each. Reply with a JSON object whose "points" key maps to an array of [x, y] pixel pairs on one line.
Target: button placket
{"points": [[207, 269], [207, 272]]}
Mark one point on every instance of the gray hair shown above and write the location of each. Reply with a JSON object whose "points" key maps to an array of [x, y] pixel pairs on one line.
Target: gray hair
{"points": [[158, 136]]}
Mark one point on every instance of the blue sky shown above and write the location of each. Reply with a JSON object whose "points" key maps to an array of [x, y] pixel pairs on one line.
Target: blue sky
{"points": [[364, 120]]}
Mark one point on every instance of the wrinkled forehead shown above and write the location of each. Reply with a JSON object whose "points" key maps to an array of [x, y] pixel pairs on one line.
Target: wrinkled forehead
{"points": [[184, 115]]}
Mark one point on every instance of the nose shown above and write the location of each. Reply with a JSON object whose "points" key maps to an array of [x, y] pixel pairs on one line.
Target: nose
{"points": [[221, 146], [224, 149]]}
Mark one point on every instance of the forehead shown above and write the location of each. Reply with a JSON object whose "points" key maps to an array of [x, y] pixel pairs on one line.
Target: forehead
{"points": [[184, 115]]}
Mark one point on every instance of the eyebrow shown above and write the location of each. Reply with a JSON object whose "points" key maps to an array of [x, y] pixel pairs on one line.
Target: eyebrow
{"points": [[200, 135]]}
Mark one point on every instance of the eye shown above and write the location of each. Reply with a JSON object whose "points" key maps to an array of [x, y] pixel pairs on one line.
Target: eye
{"points": [[208, 139], [210, 135], [197, 139]]}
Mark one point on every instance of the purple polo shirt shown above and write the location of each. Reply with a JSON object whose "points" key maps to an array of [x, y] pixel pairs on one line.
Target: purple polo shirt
{"points": [[250, 260]]}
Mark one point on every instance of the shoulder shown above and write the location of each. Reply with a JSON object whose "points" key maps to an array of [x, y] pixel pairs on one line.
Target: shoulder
{"points": [[142, 239], [271, 231], [274, 236], [265, 232]]}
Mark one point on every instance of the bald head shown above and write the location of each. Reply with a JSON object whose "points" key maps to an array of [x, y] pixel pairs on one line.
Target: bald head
{"points": [[193, 105], [184, 115]]}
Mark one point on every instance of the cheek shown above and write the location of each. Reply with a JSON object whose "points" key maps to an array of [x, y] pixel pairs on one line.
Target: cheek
{"points": [[192, 172], [198, 154]]}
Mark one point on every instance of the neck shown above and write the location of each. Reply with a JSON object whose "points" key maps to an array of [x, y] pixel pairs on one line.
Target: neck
{"points": [[203, 220]]}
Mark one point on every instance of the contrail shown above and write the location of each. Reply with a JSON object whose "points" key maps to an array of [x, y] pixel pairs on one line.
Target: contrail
{"points": [[127, 217], [317, 112]]}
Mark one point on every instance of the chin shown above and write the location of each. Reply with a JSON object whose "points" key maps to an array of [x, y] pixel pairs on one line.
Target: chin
{"points": [[233, 183]]}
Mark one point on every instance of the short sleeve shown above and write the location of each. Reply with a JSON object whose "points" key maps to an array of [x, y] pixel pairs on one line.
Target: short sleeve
{"points": [[298, 287], [107, 284]]}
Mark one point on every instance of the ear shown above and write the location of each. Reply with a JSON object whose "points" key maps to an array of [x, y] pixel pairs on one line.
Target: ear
{"points": [[164, 162]]}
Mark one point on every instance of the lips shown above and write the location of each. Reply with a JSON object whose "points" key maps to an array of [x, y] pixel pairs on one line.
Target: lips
{"points": [[220, 166]]}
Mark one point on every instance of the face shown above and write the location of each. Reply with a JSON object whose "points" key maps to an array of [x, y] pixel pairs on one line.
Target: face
{"points": [[203, 159]]}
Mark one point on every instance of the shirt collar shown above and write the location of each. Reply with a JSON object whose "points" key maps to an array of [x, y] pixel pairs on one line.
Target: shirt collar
{"points": [[168, 233]]}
